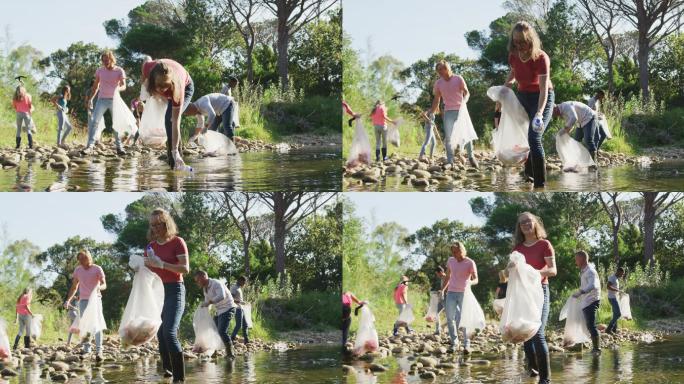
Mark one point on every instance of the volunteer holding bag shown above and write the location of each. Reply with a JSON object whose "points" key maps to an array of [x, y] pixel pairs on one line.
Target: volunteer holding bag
{"points": [[216, 293], [24, 315], [167, 256], [530, 241], [590, 295], [461, 271], [401, 301]]}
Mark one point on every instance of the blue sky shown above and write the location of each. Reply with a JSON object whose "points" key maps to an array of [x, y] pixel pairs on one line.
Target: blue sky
{"points": [[415, 210], [411, 30], [50, 25], [50, 218]]}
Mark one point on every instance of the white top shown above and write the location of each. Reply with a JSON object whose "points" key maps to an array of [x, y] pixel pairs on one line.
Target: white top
{"points": [[211, 105], [216, 293], [575, 112], [613, 280], [236, 291], [591, 285], [226, 90]]}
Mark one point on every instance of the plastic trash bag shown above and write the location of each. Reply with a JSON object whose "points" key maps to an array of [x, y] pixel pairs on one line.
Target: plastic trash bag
{"points": [[521, 316], [207, 339], [216, 144], [463, 131], [5, 351], [123, 120], [142, 317], [73, 327], [576, 331], [432, 313], [406, 315], [602, 123], [360, 150], [472, 316], [393, 133], [510, 138], [572, 153], [152, 125], [247, 311], [366, 336], [36, 326], [92, 320], [625, 309], [498, 305]]}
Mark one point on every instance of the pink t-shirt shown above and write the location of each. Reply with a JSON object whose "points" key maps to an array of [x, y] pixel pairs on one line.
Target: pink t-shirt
{"points": [[109, 81], [87, 280], [460, 273], [379, 115], [347, 299], [451, 92], [399, 294], [22, 305], [176, 67], [22, 105]]}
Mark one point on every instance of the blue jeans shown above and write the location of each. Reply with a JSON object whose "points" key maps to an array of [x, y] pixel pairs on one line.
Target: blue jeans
{"points": [[453, 306], [226, 121], [380, 136], [101, 106], [612, 326], [62, 122], [536, 349], [172, 311], [240, 324], [429, 138], [449, 119], [590, 135], [530, 102], [600, 135], [590, 317], [189, 91], [82, 305], [222, 323]]}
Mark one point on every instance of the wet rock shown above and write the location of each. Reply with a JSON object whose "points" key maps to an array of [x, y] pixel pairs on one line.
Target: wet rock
{"points": [[427, 361], [420, 174], [56, 187], [59, 366], [347, 369], [377, 368], [420, 182], [59, 377], [427, 375], [8, 372]]}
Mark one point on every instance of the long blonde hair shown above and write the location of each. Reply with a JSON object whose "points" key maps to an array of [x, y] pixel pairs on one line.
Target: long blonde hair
{"points": [[20, 93], [165, 217], [108, 53], [85, 253], [444, 64], [539, 229], [461, 246], [529, 35], [161, 74]]}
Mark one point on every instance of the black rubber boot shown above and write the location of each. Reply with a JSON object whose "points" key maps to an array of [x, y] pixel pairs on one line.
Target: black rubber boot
{"points": [[596, 342], [539, 171], [166, 365], [178, 365], [27, 341], [230, 351], [377, 155], [170, 159], [384, 154], [30, 139], [527, 173], [18, 142], [16, 342]]}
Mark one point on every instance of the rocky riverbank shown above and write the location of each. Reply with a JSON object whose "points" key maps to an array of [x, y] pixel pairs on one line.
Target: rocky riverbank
{"points": [[423, 172], [431, 356]]}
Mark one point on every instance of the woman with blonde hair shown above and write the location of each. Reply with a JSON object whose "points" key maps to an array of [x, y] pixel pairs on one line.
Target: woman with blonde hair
{"points": [[531, 69], [461, 272], [23, 107], [168, 79], [60, 102], [24, 315], [167, 256], [530, 240]]}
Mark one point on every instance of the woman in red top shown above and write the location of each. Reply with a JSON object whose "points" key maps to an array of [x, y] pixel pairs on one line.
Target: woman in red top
{"points": [[167, 256], [24, 315], [530, 240], [168, 79], [531, 68], [23, 106]]}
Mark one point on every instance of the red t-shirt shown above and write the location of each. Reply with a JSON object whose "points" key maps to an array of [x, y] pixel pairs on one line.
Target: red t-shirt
{"points": [[527, 73], [399, 294], [175, 67], [169, 253], [535, 254]]}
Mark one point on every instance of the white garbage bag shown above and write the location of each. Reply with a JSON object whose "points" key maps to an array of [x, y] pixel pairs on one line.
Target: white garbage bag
{"points": [[463, 131], [207, 339], [572, 153], [152, 126], [625, 309], [602, 123], [406, 315], [393, 133], [521, 316], [366, 336], [498, 305], [142, 316], [576, 330], [216, 144], [510, 139], [5, 351], [472, 315], [360, 150], [123, 120], [92, 319], [36, 326], [247, 310], [432, 313]]}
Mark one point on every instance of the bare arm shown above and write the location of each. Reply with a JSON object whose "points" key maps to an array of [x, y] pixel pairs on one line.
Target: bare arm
{"points": [[445, 282], [122, 85], [93, 92], [72, 291], [550, 269], [103, 283], [611, 287], [510, 79], [474, 279], [182, 268]]}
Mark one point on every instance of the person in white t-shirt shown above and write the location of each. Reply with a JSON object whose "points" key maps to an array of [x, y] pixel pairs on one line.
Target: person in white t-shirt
{"points": [[590, 293], [216, 294], [240, 323], [578, 114], [613, 289], [218, 110]]}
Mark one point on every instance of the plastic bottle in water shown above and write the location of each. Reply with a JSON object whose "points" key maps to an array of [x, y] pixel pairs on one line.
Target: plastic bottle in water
{"points": [[184, 168]]}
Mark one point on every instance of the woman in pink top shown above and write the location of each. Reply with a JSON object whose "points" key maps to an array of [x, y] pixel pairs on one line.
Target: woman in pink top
{"points": [[347, 299], [89, 279], [401, 300], [379, 117], [23, 106], [24, 315], [451, 89], [531, 68], [461, 271], [168, 79], [530, 240]]}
